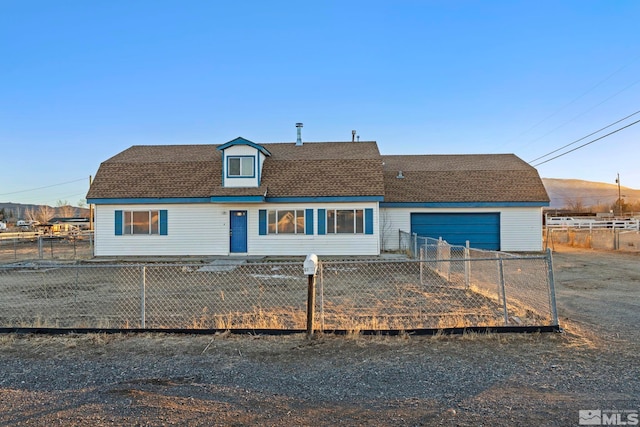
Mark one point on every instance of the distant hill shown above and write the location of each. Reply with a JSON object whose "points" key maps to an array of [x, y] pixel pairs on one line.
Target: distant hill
{"points": [[18, 210], [566, 192], [563, 193]]}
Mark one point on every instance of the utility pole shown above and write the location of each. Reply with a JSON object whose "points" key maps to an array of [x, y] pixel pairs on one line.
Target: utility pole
{"points": [[619, 197], [90, 208]]}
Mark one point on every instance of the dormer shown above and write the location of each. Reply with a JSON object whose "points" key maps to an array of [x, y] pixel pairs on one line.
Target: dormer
{"points": [[242, 162]]}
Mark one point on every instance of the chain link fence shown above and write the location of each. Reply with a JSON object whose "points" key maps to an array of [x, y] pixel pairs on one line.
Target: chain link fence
{"points": [[446, 287], [521, 285], [25, 246]]}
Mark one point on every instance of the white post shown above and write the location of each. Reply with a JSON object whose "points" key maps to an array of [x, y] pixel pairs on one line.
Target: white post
{"points": [[467, 266], [310, 267]]}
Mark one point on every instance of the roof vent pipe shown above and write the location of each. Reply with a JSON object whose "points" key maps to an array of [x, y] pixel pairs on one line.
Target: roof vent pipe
{"points": [[299, 140], [400, 175], [353, 136]]}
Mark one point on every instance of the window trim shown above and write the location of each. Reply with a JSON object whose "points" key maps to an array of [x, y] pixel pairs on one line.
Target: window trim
{"points": [[161, 228], [253, 166], [334, 226], [295, 221]]}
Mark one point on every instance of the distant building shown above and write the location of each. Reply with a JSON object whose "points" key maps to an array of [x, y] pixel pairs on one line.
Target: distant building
{"points": [[58, 224]]}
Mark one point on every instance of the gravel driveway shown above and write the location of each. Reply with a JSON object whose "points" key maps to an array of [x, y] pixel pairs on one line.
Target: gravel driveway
{"points": [[474, 380]]}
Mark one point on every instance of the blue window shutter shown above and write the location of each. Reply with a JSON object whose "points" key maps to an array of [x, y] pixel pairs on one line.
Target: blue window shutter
{"points": [[322, 219], [368, 221], [308, 221], [262, 222], [163, 222], [118, 224]]}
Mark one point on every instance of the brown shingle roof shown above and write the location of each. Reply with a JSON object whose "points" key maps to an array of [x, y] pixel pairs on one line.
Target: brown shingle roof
{"points": [[461, 178], [338, 169], [312, 170]]}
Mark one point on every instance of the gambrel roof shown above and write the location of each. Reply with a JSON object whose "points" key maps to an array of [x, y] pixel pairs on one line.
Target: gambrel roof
{"points": [[320, 169], [328, 169], [461, 178]]}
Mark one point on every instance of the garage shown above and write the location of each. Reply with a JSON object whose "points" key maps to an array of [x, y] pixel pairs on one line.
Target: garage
{"points": [[482, 230]]}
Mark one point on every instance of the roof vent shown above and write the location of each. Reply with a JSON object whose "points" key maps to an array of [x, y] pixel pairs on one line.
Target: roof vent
{"points": [[353, 135], [299, 140], [400, 176]]}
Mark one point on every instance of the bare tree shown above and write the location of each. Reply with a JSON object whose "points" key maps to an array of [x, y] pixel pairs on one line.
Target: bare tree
{"points": [[385, 229], [30, 214], [44, 214], [600, 208], [65, 210], [576, 205]]}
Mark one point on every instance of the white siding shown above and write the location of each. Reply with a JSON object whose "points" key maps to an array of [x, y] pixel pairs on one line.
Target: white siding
{"points": [[330, 244], [242, 150], [194, 229], [203, 229], [520, 228]]}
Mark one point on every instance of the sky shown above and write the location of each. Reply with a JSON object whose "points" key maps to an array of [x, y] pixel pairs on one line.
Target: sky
{"points": [[81, 81]]}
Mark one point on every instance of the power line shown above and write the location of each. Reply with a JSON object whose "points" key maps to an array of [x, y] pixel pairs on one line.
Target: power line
{"points": [[585, 137], [577, 98], [582, 114], [64, 199], [590, 142], [583, 94], [41, 188]]}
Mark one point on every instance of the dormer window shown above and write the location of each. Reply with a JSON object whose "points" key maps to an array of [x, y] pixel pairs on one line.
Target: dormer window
{"points": [[241, 166]]}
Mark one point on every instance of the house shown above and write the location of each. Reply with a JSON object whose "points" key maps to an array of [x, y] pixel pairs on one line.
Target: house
{"points": [[329, 198]]}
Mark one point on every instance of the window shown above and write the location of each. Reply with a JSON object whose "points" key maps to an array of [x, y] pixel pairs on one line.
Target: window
{"points": [[347, 221], [285, 221], [240, 166], [141, 222]]}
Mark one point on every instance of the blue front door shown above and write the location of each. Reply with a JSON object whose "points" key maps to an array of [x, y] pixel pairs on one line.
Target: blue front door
{"points": [[238, 231]]}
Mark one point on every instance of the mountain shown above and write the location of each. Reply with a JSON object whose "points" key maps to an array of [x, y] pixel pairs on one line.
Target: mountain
{"points": [[564, 193], [571, 192], [17, 210]]}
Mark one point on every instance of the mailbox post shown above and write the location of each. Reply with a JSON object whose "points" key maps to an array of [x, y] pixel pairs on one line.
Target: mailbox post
{"points": [[310, 267]]}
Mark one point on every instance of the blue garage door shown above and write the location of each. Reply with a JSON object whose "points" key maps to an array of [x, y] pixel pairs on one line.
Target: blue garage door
{"points": [[482, 230]]}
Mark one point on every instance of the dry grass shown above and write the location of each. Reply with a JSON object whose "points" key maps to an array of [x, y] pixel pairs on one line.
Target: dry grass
{"points": [[355, 297]]}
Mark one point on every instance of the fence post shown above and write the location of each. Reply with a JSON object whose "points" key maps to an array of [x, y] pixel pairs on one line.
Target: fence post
{"points": [[40, 249], [467, 266], [415, 245], [143, 296], [439, 256], [504, 294], [321, 296], [421, 260], [552, 289], [310, 268]]}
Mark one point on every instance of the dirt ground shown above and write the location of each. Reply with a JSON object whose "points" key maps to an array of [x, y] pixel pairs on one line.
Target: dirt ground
{"points": [[469, 380]]}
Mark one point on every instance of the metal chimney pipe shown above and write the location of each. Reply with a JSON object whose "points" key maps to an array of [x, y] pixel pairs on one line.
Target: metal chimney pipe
{"points": [[299, 140], [353, 136]]}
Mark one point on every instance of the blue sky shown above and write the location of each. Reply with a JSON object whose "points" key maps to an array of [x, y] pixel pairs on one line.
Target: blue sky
{"points": [[81, 81]]}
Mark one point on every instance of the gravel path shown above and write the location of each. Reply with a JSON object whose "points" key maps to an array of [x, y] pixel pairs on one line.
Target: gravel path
{"points": [[474, 380]]}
